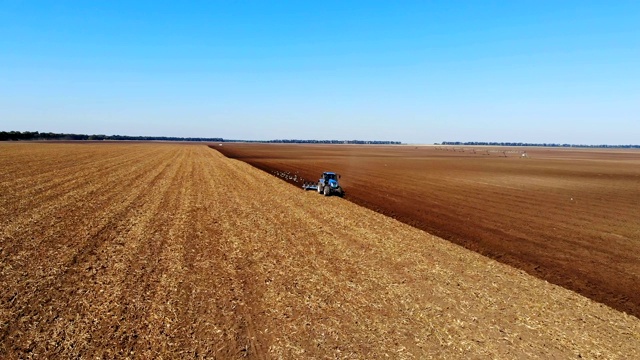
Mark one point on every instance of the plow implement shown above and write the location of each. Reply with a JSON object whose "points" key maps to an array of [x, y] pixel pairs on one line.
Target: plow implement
{"points": [[310, 186]]}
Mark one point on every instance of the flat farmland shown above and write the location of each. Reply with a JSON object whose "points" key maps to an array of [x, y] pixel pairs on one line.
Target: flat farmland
{"points": [[569, 216], [152, 250]]}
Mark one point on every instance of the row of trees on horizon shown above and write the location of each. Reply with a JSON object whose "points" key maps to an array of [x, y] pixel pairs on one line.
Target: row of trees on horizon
{"points": [[483, 143], [35, 135], [298, 141]]}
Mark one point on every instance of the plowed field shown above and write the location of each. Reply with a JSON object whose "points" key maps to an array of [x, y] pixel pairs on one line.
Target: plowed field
{"points": [[174, 251], [569, 216]]}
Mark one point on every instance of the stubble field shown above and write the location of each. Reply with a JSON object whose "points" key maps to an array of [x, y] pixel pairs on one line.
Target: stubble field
{"points": [[569, 216], [173, 251]]}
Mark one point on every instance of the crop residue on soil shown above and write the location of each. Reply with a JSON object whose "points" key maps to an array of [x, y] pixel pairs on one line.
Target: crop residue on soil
{"points": [[174, 251]]}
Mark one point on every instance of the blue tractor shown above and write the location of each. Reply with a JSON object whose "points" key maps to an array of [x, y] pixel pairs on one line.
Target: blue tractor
{"points": [[327, 185]]}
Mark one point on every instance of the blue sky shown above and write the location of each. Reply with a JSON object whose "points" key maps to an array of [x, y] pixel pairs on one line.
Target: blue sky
{"points": [[417, 72]]}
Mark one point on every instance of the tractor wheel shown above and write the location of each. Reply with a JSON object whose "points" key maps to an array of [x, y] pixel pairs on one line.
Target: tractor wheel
{"points": [[319, 189], [327, 191]]}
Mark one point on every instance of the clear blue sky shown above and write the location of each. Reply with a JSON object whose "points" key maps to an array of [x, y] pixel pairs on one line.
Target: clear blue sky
{"points": [[417, 72]]}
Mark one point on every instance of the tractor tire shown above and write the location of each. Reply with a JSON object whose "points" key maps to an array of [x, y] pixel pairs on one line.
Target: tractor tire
{"points": [[319, 189], [327, 191]]}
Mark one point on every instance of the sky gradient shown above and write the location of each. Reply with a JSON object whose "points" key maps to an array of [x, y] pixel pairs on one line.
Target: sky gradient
{"points": [[416, 72]]}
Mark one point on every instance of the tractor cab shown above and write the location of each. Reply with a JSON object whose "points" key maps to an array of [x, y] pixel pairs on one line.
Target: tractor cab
{"points": [[330, 176]]}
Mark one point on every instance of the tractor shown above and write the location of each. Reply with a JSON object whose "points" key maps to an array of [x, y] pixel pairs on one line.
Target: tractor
{"points": [[327, 185]]}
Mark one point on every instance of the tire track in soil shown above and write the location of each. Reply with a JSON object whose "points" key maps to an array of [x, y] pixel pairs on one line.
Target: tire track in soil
{"points": [[56, 162], [130, 269], [47, 180], [168, 323], [208, 276], [39, 295], [108, 274], [52, 221], [246, 292], [240, 338], [198, 338], [49, 186], [28, 157], [96, 194], [78, 180]]}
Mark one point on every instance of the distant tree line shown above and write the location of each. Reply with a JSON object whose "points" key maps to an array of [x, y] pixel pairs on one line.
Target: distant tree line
{"points": [[34, 135], [471, 143], [297, 141]]}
